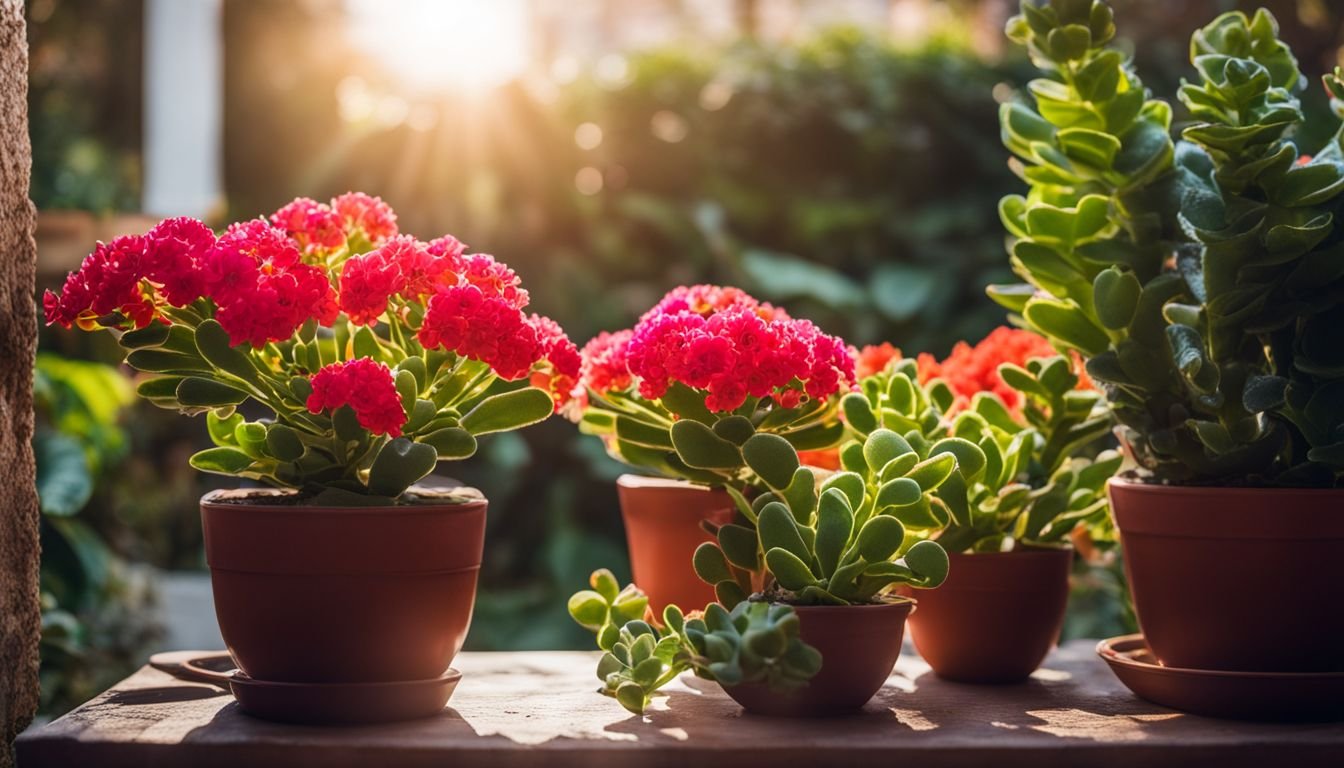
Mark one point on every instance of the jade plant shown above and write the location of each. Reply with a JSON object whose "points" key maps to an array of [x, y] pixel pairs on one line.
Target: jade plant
{"points": [[1040, 471], [1200, 279], [373, 354], [701, 373], [752, 643], [841, 541]]}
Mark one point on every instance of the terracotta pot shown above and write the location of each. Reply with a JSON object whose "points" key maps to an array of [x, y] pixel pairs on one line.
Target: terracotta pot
{"points": [[1238, 579], [663, 526], [342, 594], [859, 645], [996, 617]]}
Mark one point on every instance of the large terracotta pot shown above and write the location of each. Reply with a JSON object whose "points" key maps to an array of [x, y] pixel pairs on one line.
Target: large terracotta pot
{"points": [[996, 617], [859, 645], [342, 594], [1240, 579], [663, 526]]}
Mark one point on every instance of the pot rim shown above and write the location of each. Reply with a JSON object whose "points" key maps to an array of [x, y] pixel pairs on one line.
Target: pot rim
{"points": [[890, 602], [209, 501], [1016, 554], [1139, 486], [643, 482]]}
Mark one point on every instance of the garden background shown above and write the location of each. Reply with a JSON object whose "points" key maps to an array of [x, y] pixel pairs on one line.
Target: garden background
{"points": [[841, 158]]}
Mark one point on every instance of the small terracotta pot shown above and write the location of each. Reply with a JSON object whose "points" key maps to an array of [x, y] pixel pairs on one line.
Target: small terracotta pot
{"points": [[996, 617], [342, 594], [1237, 579], [859, 645], [663, 526]]}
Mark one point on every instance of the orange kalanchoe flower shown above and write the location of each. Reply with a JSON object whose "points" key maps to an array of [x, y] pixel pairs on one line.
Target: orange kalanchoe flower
{"points": [[970, 370]]}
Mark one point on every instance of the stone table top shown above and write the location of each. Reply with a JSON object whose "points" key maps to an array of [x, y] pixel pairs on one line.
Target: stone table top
{"points": [[542, 709]]}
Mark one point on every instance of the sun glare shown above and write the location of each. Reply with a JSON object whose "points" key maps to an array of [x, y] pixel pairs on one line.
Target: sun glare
{"points": [[444, 43]]}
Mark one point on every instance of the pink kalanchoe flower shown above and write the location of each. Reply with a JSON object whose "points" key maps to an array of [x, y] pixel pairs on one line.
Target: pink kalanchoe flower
{"points": [[364, 385], [493, 278], [604, 367], [313, 225], [370, 215], [725, 343]]}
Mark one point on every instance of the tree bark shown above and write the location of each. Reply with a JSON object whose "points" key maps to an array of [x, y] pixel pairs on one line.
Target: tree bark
{"points": [[20, 617]]}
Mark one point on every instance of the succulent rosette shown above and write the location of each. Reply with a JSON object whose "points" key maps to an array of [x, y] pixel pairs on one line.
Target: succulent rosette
{"points": [[703, 371], [377, 355]]}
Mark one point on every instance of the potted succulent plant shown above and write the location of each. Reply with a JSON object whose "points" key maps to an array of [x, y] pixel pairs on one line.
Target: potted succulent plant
{"points": [[1202, 280], [676, 396], [1007, 514], [826, 556], [337, 362]]}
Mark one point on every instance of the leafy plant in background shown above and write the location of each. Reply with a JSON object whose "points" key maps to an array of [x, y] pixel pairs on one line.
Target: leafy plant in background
{"points": [[752, 643], [881, 235], [1216, 363], [1043, 472], [91, 631], [702, 374], [377, 355]]}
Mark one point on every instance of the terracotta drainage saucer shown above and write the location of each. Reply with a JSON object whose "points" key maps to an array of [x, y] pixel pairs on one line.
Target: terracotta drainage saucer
{"points": [[313, 703], [1278, 696]]}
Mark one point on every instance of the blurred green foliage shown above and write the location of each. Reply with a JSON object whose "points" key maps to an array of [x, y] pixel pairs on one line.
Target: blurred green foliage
{"points": [[94, 628]]}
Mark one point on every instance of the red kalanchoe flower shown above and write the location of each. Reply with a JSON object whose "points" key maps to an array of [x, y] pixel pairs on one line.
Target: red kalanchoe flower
{"points": [[174, 249], [109, 280], [562, 361], [364, 385], [370, 215], [604, 367], [263, 291], [313, 225], [464, 320]]}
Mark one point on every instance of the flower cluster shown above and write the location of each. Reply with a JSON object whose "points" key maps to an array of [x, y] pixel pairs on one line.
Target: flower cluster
{"points": [[604, 367], [135, 275], [969, 370], [364, 385], [314, 226], [262, 288], [725, 343]]}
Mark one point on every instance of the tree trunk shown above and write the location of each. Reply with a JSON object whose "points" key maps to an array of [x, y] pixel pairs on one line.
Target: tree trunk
{"points": [[20, 618]]}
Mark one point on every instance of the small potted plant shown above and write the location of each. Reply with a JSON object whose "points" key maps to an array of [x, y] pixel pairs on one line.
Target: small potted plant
{"points": [[1008, 519], [827, 556], [1201, 280], [677, 395], [337, 362]]}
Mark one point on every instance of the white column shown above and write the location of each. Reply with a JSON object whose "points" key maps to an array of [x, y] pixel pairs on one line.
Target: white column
{"points": [[184, 105]]}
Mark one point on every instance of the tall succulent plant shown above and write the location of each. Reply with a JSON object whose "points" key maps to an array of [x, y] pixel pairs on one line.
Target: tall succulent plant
{"points": [[1207, 329]]}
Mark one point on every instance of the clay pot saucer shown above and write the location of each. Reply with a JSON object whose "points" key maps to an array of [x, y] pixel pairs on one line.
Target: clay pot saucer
{"points": [[1269, 696], [314, 703]]}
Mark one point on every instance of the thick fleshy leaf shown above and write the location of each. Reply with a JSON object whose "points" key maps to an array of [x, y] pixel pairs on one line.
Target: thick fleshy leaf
{"points": [[508, 411], [699, 447], [399, 464]]}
